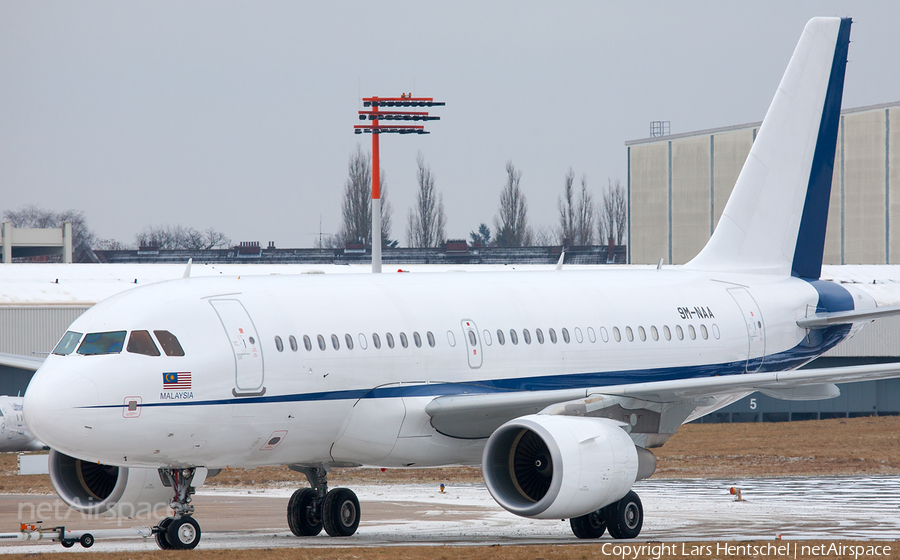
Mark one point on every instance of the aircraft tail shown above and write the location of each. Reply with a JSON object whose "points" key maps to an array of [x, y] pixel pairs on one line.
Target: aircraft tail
{"points": [[774, 221]]}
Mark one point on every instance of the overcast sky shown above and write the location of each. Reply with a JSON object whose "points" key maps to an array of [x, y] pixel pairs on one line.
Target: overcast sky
{"points": [[239, 115]]}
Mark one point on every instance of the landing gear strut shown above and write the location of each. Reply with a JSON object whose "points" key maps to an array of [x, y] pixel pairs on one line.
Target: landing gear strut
{"points": [[311, 509], [181, 531], [623, 519]]}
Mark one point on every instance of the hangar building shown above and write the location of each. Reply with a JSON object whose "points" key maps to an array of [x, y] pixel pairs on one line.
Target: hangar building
{"points": [[677, 188]]}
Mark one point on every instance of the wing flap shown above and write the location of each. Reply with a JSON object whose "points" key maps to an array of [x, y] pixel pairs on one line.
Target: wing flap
{"points": [[477, 416]]}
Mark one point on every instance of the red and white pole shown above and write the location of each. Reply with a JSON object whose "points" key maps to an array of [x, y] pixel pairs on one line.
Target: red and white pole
{"points": [[376, 197]]}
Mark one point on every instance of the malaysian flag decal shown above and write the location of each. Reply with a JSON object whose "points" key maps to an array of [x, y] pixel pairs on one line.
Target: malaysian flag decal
{"points": [[180, 380]]}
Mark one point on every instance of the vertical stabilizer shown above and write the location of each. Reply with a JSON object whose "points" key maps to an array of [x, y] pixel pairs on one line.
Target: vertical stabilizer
{"points": [[774, 221]]}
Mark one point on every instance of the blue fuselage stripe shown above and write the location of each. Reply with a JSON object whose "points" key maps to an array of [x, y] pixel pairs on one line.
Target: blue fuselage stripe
{"points": [[817, 342]]}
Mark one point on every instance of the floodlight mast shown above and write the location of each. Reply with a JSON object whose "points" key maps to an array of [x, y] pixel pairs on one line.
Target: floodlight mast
{"points": [[376, 129]]}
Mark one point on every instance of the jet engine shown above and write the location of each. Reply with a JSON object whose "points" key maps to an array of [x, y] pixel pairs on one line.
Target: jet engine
{"points": [[559, 467], [93, 488]]}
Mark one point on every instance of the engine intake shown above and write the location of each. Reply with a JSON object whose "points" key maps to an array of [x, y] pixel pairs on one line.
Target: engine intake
{"points": [[558, 467], [93, 488]]}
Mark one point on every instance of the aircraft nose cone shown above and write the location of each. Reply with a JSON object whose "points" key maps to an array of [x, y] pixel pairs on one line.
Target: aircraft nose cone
{"points": [[60, 408]]}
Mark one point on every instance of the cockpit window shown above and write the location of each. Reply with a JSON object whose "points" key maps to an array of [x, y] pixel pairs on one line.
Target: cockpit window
{"points": [[140, 342], [102, 343], [169, 343], [67, 344]]}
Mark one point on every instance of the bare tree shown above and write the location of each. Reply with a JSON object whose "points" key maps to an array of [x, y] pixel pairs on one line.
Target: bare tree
{"points": [[426, 221], [511, 222], [613, 214], [566, 205], [33, 216], [179, 237], [584, 218], [356, 209], [542, 236]]}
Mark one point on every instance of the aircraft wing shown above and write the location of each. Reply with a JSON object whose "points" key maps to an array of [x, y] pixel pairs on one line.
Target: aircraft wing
{"points": [[17, 361], [478, 415]]}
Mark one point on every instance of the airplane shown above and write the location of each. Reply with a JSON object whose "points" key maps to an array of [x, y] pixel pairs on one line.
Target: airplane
{"points": [[14, 434], [557, 383]]}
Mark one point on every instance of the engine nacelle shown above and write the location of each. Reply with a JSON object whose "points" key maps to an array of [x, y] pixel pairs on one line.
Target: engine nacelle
{"points": [[559, 467], [94, 489]]}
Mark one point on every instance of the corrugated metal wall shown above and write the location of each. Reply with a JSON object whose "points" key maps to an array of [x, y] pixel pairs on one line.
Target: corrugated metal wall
{"points": [[679, 184], [28, 330]]}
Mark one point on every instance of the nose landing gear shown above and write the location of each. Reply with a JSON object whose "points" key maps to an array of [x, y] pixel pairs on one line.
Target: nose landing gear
{"points": [[180, 531], [312, 509]]}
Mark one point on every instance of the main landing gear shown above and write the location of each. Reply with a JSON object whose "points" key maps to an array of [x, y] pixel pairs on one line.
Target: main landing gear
{"points": [[311, 509], [623, 519], [181, 531]]}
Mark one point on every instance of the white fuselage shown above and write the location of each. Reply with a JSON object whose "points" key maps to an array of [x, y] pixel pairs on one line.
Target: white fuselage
{"points": [[247, 403]]}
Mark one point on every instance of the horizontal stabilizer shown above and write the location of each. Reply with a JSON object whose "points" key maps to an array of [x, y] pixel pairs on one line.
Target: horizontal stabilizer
{"points": [[29, 363], [820, 320]]}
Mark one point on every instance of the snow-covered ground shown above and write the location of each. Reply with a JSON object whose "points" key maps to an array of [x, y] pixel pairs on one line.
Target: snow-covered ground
{"points": [[797, 508]]}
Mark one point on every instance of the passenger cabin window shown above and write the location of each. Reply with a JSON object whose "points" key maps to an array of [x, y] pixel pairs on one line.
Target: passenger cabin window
{"points": [[704, 332], [692, 332], [403, 341], [336, 342], [679, 332], [500, 337], [629, 333], [565, 333], [513, 337], [430, 339], [279, 345], [390, 340], [102, 343], [540, 335], [526, 335], [654, 333], [321, 340], [140, 342], [348, 340], [67, 344], [307, 343], [170, 344], [552, 336], [376, 340], [417, 339], [642, 333], [578, 336], [667, 332], [616, 334]]}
